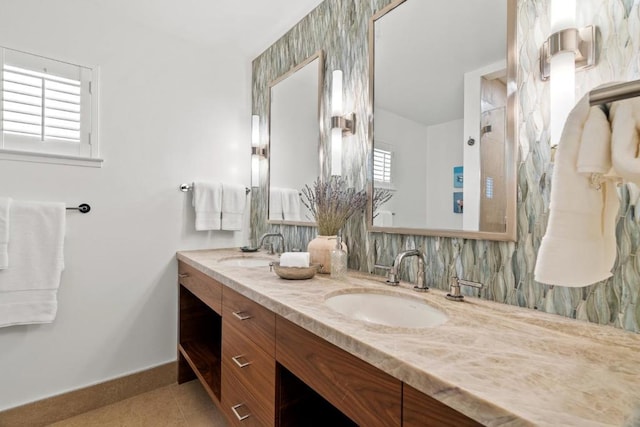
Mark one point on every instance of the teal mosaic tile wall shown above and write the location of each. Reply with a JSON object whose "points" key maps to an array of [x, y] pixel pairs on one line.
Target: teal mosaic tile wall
{"points": [[340, 29]]}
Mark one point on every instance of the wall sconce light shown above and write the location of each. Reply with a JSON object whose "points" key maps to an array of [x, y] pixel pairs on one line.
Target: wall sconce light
{"points": [[340, 124], [567, 49], [257, 152]]}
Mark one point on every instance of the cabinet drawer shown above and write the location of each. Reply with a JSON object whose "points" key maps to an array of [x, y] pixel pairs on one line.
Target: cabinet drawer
{"points": [[204, 287], [250, 319], [241, 407], [362, 392], [419, 410], [249, 364]]}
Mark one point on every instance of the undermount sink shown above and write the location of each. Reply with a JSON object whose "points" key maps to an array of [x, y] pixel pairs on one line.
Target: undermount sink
{"points": [[386, 309], [246, 261]]}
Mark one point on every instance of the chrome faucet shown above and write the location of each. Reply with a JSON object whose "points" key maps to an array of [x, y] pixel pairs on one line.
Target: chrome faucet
{"points": [[394, 270], [264, 236], [454, 291]]}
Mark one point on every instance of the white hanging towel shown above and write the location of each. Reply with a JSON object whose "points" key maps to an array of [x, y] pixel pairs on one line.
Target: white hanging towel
{"points": [[207, 202], [578, 248], [5, 203], [234, 200], [28, 288], [291, 205], [625, 141], [275, 204]]}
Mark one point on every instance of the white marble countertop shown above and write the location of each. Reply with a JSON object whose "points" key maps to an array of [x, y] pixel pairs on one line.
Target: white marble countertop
{"points": [[498, 364]]}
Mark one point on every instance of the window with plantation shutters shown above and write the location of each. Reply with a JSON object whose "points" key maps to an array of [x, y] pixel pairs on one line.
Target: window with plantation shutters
{"points": [[381, 165], [48, 108]]}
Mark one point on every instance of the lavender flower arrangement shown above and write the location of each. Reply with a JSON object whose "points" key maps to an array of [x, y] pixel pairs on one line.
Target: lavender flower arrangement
{"points": [[332, 203]]}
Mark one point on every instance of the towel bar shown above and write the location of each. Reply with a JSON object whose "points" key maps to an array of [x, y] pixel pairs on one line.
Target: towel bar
{"points": [[615, 92], [83, 208], [188, 187]]}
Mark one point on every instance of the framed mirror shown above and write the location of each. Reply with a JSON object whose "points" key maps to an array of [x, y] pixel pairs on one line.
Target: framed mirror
{"points": [[442, 130], [294, 139]]}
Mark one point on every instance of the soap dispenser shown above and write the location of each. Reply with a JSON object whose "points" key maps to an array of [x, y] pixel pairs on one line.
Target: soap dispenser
{"points": [[338, 261]]}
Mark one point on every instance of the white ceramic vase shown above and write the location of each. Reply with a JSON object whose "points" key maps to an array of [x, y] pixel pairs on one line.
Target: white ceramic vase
{"points": [[320, 251]]}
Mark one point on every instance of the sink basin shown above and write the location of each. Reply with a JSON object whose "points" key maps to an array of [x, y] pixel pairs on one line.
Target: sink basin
{"points": [[246, 261], [386, 309]]}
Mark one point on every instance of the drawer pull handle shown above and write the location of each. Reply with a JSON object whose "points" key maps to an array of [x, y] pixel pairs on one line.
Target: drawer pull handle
{"points": [[238, 416], [183, 275], [240, 364], [242, 315]]}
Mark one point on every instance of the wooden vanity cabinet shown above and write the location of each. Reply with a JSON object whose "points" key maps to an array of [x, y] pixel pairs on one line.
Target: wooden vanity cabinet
{"points": [[200, 330], [362, 392], [263, 370], [248, 361], [420, 410]]}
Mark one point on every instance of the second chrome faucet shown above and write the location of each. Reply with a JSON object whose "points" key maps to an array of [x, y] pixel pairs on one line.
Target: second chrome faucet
{"points": [[264, 236], [393, 272]]}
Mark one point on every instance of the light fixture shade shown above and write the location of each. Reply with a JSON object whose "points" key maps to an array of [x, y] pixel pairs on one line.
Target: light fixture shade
{"points": [[336, 132], [255, 158], [562, 71], [255, 130], [336, 151], [336, 93], [562, 14], [561, 93]]}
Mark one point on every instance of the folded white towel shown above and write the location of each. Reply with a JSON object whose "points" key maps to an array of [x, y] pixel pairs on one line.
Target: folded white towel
{"points": [[625, 141], [294, 259], [5, 203], [383, 219], [207, 202], [28, 288], [594, 152], [234, 200], [578, 247], [291, 204], [275, 204]]}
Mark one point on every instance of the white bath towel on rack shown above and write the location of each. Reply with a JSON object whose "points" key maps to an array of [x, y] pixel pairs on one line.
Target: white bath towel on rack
{"points": [[291, 205], [207, 202], [5, 204], [578, 248], [625, 140], [234, 200], [28, 288], [275, 204]]}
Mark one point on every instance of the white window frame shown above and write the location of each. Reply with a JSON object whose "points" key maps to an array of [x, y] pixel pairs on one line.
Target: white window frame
{"points": [[86, 152], [386, 166]]}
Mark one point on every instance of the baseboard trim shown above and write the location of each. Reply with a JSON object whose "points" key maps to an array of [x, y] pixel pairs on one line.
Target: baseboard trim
{"points": [[67, 405]]}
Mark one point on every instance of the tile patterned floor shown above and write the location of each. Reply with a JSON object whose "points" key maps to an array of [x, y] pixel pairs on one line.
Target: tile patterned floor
{"points": [[185, 405]]}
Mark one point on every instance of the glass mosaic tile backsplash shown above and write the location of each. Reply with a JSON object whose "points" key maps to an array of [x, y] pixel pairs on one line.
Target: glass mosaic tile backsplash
{"points": [[340, 29]]}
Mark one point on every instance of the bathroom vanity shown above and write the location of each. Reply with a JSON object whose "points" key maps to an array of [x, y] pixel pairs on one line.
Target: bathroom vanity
{"points": [[270, 352]]}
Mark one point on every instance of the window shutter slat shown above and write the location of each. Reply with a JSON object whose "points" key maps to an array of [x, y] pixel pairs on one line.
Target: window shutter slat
{"points": [[381, 165], [32, 99]]}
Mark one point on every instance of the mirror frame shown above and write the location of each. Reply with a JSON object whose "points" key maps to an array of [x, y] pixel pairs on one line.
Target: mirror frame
{"points": [[320, 56], [511, 155]]}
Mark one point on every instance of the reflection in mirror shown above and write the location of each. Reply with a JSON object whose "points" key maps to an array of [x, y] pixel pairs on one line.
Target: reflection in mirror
{"points": [[294, 139], [443, 139]]}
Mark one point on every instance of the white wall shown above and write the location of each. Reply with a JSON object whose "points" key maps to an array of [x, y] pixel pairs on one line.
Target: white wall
{"points": [[444, 151], [408, 142], [171, 112]]}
